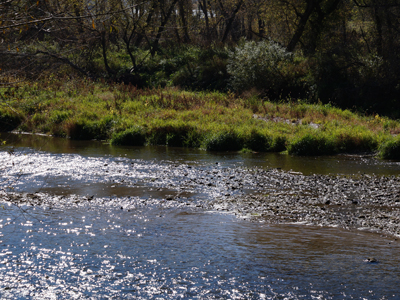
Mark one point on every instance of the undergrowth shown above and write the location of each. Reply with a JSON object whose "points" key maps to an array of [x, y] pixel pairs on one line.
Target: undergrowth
{"points": [[216, 121]]}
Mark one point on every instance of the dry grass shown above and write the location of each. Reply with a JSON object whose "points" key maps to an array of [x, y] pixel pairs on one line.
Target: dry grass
{"points": [[85, 109]]}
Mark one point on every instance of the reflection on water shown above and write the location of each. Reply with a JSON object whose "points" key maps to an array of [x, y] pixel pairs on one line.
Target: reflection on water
{"points": [[339, 164], [159, 253]]}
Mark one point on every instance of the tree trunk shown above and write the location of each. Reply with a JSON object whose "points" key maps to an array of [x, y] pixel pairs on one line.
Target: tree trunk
{"points": [[182, 15], [230, 21], [161, 28], [304, 17], [104, 48], [141, 35]]}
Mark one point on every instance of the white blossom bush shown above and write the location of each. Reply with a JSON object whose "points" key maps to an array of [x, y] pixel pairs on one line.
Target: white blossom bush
{"points": [[267, 67]]}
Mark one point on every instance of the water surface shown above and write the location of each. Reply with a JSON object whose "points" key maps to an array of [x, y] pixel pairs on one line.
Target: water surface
{"points": [[145, 237]]}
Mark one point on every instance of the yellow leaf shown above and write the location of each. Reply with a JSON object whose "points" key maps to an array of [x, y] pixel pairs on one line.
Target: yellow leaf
{"points": [[94, 27], [110, 29], [37, 3], [17, 49]]}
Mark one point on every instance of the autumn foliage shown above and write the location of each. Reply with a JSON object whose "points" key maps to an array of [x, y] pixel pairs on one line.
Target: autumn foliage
{"points": [[340, 51]]}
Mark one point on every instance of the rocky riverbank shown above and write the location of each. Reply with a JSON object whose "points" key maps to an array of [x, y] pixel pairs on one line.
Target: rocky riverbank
{"points": [[354, 202], [357, 202]]}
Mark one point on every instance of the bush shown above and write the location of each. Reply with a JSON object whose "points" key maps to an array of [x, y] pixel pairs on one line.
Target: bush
{"points": [[135, 136], [259, 142], [9, 119], [311, 145], [58, 116], [347, 141], [278, 144], [223, 141], [205, 70], [369, 84], [188, 67], [390, 149], [174, 134], [82, 129], [269, 68]]}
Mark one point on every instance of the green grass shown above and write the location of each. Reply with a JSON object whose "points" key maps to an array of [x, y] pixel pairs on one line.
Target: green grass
{"points": [[390, 149], [125, 115]]}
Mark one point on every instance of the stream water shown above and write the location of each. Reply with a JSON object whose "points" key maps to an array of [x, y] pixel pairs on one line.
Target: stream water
{"points": [[143, 232]]}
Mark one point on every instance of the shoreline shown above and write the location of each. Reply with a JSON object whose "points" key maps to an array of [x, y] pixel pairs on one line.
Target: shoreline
{"points": [[213, 121], [362, 202]]}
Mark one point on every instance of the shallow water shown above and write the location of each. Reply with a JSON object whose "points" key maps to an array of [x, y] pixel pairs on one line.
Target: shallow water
{"points": [[338, 164], [130, 242], [159, 253]]}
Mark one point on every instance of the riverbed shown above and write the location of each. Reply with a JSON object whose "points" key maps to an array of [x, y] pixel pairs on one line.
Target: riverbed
{"points": [[83, 220]]}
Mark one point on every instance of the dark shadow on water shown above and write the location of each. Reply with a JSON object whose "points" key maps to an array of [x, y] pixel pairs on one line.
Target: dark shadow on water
{"points": [[339, 164]]}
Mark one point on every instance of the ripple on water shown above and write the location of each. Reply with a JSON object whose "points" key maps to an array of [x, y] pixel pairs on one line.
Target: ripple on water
{"points": [[173, 253], [164, 249]]}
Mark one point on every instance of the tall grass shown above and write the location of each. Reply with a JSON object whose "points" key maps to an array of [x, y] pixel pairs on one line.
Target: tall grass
{"points": [[216, 121], [390, 149]]}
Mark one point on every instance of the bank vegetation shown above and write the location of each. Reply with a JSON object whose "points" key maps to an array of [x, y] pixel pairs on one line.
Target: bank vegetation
{"points": [[310, 77], [126, 115]]}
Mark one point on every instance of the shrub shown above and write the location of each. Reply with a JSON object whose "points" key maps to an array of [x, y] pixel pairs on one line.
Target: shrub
{"points": [[390, 149], [175, 134], [204, 69], [9, 119], [82, 129], [278, 143], [311, 145], [79, 130], [269, 68], [370, 83], [58, 116], [223, 141], [134, 136], [354, 141], [259, 142]]}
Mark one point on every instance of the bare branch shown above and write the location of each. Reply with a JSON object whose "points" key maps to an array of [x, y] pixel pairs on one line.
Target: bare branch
{"points": [[55, 17]]}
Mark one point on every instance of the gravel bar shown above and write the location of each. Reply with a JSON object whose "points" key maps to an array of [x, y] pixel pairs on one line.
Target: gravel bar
{"points": [[362, 202]]}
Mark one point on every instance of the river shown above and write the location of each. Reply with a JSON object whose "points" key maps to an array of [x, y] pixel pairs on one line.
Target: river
{"points": [[133, 223]]}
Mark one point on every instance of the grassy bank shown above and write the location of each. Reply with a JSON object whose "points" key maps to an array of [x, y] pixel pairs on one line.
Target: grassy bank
{"points": [[125, 115]]}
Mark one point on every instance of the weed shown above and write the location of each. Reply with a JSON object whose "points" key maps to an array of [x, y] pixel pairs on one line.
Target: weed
{"points": [[354, 140], [390, 149], [9, 119], [134, 136], [224, 141], [311, 145], [259, 142], [168, 116]]}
